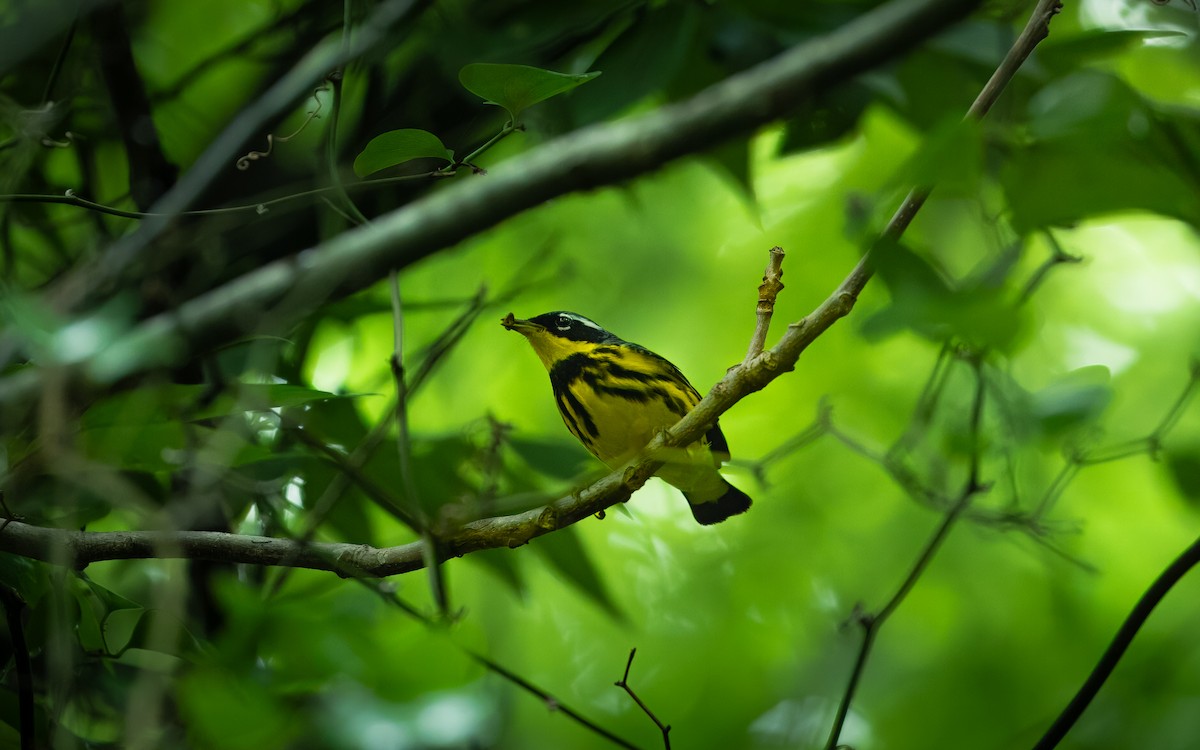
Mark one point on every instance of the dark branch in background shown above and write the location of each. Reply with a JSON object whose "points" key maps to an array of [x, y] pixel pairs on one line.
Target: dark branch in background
{"points": [[872, 623], [588, 158], [96, 280], [767, 292], [13, 609], [56, 70], [1116, 649], [623, 683], [150, 173]]}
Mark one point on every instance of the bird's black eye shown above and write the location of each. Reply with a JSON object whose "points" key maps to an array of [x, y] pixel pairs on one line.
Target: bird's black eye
{"points": [[564, 323]]}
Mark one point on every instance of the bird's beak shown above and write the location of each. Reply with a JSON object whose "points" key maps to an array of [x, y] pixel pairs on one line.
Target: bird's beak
{"points": [[524, 327]]}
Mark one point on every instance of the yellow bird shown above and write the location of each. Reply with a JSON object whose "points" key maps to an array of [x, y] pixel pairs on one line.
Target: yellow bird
{"points": [[615, 396]]}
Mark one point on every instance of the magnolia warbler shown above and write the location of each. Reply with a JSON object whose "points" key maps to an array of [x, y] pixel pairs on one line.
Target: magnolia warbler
{"points": [[615, 396]]}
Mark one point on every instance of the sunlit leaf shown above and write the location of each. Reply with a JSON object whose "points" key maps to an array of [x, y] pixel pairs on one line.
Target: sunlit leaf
{"points": [[1074, 400], [517, 87], [925, 302], [1069, 51], [397, 147]]}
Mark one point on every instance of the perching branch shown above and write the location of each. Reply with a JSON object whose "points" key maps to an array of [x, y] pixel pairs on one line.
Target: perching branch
{"points": [[588, 158]]}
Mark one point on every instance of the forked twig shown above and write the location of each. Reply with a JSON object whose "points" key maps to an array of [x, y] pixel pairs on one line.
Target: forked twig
{"points": [[768, 290], [623, 683]]}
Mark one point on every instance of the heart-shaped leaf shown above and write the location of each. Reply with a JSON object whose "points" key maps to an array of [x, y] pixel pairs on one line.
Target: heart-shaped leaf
{"points": [[398, 146], [517, 87]]}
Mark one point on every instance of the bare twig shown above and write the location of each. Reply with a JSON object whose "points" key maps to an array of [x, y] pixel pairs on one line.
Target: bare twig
{"points": [[768, 290], [1116, 649], [433, 563], [381, 496], [872, 623], [623, 683], [1057, 257], [387, 593]]}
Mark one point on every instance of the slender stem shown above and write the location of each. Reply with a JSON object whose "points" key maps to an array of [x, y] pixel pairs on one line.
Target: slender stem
{"points": [[872, 623], [431, 549], [70, 198], [13, 607], [1116, 649], [551, 702], [505, 132], [331, 152], [62, 56], [623, 683]]}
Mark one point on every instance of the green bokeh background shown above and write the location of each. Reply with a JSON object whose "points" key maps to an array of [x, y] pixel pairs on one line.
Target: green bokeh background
{"points": [[739, 628]]}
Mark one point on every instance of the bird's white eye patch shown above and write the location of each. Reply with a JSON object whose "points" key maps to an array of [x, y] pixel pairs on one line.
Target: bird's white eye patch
{"points": [[566, 320]]}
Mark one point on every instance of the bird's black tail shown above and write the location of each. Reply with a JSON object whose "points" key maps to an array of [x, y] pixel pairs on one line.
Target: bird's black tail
{"points": [[734, 501]]}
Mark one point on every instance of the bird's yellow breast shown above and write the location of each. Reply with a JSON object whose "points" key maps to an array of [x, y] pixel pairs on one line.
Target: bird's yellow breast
{"points": [[616, 397]]}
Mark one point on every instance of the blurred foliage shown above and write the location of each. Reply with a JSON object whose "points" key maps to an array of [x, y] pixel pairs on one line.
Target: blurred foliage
{"points": [[1058, 249]]}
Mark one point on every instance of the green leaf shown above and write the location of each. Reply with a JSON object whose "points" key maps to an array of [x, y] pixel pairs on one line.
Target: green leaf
{"points": [[642, 61], [1184, 465], [1069, 52], [923, 301], [554, 458], [950, 157], [564, 551], [398, 146], [26, 577], [517, 87], [144, 629], [826, 118], [1074, 400]]}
